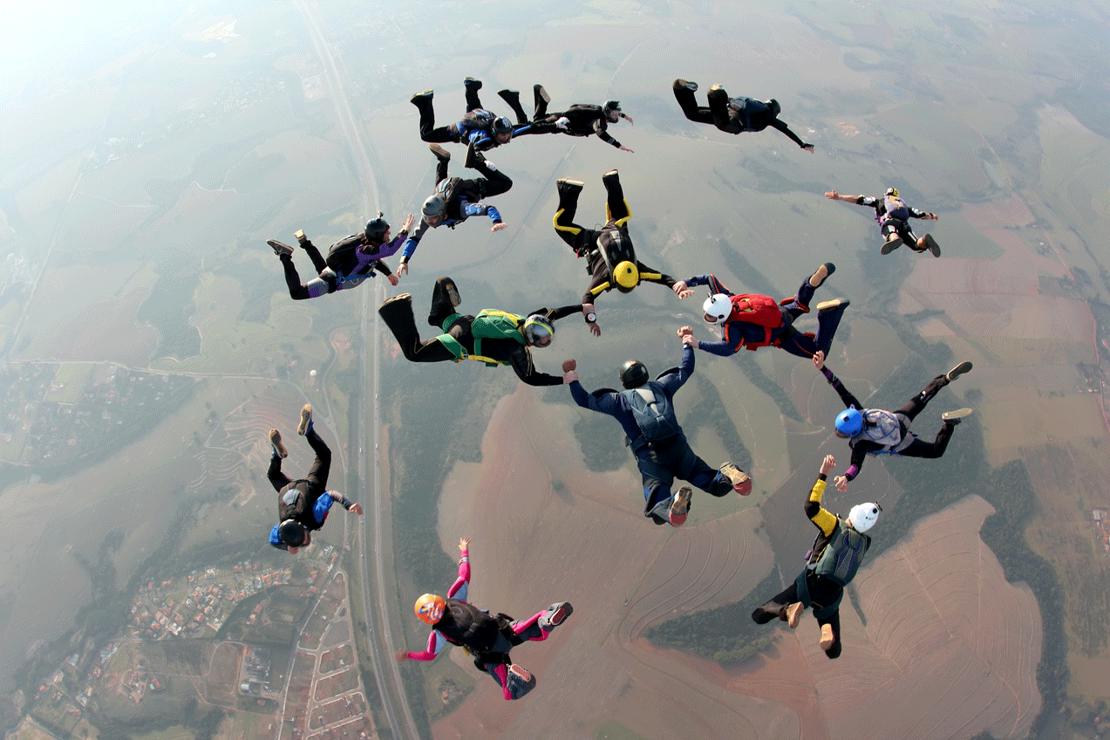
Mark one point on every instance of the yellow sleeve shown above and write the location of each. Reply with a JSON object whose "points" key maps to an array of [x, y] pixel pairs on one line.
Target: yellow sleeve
{"points": [[824, 519]]}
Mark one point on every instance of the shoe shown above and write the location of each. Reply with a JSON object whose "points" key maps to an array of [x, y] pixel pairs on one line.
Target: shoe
{"points": [[931, 245], [714, 87], [610, 175], [541, 93], [301, 238], [566, 185], [519, 681], [472, 84], [680, 504], [276, 443], [421, 97], [396, 299], [441, 154], [306, 419], [691, 86], [281, 250], [822, 272], [794, 614], [828, 639], [962, 368], [741, 481], [556, 615], [452, 291], [890, 246], [833, 304], [953, 417]]}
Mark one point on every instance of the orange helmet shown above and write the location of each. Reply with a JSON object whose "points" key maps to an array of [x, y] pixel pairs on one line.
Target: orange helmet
{"points": [[429, 608]]}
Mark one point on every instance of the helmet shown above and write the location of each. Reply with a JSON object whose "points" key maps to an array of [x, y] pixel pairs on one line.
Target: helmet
{"points": [[611, 105], [376, 228], [892, 192], [717, 308], [292, 533], [502, 125], [633, 374], [538, 330], [849, 422], [626, 275], [775, 107], [429, 608], [862, 517], [434, 206]]}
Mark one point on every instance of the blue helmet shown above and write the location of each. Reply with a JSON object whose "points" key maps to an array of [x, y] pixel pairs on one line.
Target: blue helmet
{"points": [[849, 422], [502, 125]]}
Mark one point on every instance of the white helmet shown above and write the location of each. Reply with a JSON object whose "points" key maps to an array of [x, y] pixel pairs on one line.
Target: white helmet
{"points": [[717, 308], [862, 517]]}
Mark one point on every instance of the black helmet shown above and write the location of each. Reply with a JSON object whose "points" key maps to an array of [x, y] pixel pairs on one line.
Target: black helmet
{"points": [[502, 125], [611, 105], [292, 533], [633, 374], [775, 107], [376, 228]]}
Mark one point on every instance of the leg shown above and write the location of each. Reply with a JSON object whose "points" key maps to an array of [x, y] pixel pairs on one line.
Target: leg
{"points": [[931, 450], [445, 298], [278, 479], [830, 624], [689, 104], [298, 291], [397, 314], [775, 608], [695, 470], [428, 130], [541, 101], [917, 404], [496, 182], [472, 86], [512, 97], [565, 227], [537, 627], [657, 497], [616, 207], [911, 239], [314, 255], [718, 107], [800, 344], [441, 168], [318, 474]]}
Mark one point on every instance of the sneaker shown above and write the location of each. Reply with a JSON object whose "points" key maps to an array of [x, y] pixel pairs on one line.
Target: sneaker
{"points": [[828, 639], [680, 504], [822, 272], [691, 86], [833, 304], [963, 367], [420, 97], [472, 84], [519, 681], [891, 245], [281, 250], [931, 245], [306, 419], [276, 443], [741, 481], [794, 614], [953, 417], [452, 291], [566, 185], [556, 614], [301, 238], [441, 154], [541, 93]]}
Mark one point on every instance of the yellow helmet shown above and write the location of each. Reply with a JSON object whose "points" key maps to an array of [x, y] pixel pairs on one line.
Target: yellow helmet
{"points": [[626, 275], [429, 608], [892, 192]]}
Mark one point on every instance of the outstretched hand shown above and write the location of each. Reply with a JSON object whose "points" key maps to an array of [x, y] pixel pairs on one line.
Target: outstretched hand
{"points": [[464, 543], [595, 328], [498, 226], [403, 268], [818, 359], [808, 148], [356, 508], [932, 217], [570, 365], [623, 148], [628, 118], [393, 279], [841, 483], [832, 194], [400, 656], [828, 464], [407, 225], [682, 290]]}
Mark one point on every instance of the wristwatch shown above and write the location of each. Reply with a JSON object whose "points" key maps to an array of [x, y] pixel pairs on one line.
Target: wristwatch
{"points": [[591, 317]]}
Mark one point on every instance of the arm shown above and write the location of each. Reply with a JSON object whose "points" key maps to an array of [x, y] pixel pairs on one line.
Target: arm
{"points": [[599, 129], [413, 241], [604, 402], [654, 276], [859, 454], [672, 382], [461, 585], [821, 517], [780, 126], [275, 538], [392, 247], [562, 312], [382, 267], [436, 645], [927, 215], [845, 395], [859, 200], [526, 370], [323, 504], [723, 348], [479, 209]]}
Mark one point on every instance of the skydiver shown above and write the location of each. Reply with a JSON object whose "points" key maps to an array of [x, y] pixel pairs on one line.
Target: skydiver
{"points": [[486, 637], [456, 199], [610, 256], [882, 432], [893, 215], [303, 504], [733, 115], [831, 564], [645, 410], [581, 119], [492, 337], [479, 126], [350, 260], [752, 321]]}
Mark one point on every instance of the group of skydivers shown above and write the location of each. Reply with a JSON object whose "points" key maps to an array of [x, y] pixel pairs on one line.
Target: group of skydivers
{"points": [[645, 406]]}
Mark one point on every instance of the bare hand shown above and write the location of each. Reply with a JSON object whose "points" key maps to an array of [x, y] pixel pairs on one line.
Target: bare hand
{"points": [[932, 217], [841, 483], [626, 149], [356, 509], [400, 656], [498, 226], [690, 340], [818, 359], [595, 328], [679, 287], [407, 225], [403, 268], [393, 279], [828, 464], [464, 543], [808, 148], [832, 195], [684, 330], [570, 365]]}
